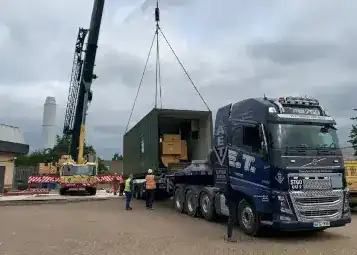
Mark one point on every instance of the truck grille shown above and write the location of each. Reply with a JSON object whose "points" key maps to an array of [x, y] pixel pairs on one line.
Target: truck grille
{"points": [[316, 200], [310, 205], [317, 184], [322, 213]]}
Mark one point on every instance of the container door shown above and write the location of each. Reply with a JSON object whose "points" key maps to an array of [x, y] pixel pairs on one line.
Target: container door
{"points": [[2, 179]]}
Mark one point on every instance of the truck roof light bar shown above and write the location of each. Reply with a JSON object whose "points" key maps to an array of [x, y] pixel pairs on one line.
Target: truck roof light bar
{"points": [[298, 100]]}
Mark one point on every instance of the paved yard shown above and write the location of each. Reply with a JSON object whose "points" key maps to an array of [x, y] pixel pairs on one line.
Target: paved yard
{"points": [[104, 228]]}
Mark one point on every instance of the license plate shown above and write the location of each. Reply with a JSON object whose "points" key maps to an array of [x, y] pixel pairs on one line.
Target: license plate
{"points": [[296, 183], [76, 189], [321, 224]]}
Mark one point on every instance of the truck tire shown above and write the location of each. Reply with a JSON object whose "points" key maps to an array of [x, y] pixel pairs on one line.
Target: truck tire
{"points": [[190, 203], [178, 205], [141, 192], [62, 192], [92, 191], [137, 193], [207, 206], [248, 219]]}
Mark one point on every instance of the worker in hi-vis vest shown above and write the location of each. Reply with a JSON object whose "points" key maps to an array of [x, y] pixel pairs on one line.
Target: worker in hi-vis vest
{"points": [[150, 189], [129, 188]]}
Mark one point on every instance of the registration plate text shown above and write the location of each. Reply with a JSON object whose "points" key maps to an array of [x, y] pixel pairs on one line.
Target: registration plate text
{"points": [[76, 189], [321, 224]]}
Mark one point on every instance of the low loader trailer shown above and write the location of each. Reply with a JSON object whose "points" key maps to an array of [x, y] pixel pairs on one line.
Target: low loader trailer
{"points": [[280, 156]]}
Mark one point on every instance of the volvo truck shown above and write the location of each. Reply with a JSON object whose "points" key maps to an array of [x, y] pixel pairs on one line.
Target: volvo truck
{"points": [[281, 157]]}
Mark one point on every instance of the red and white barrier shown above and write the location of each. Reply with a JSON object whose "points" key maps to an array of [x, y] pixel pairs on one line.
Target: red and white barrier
{"points": [[43, 179], [48, 179], [106, 178]]}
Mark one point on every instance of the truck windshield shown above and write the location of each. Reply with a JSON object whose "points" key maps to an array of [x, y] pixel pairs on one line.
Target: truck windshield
{"points": [[305, 136], [78, 170]]}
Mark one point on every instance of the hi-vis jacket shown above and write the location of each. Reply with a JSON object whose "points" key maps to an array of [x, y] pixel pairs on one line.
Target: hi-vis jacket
{"points": [[128, 185], [150, 181]]}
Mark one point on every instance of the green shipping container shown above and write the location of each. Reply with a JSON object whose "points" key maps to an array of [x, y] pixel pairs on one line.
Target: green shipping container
{"points": [[142, 149]]}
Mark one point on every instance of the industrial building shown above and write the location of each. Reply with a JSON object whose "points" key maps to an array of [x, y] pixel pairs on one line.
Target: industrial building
{"points": [[11, 143]]}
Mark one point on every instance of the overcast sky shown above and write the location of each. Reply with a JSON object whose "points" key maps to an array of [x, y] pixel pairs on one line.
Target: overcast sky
{"points": [[233, 49]]}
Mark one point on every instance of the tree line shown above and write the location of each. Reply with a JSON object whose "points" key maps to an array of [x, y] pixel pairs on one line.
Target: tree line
{"points": [[117, 157], [53, 155], [353, 135]]}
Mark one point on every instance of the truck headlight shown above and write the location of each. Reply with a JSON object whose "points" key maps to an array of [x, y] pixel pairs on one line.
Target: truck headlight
{"points": [[284, 205], [284, 218], [346, 204]]}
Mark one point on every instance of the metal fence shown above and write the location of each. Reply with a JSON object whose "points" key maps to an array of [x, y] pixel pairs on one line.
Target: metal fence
{"points": [[21, 175]]}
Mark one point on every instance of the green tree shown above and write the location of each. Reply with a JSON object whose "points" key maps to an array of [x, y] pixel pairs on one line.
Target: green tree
{"points": [[353, 135], [50, 155], [32, 159], [62, 147], [117, 157], [102, 169]]}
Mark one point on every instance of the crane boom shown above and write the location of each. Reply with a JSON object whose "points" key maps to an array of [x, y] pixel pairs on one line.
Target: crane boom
{"points": [[74, 83], [81, 96]]}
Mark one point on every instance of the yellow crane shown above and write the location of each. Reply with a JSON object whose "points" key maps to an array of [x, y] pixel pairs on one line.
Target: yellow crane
{"points": [[77, 172]]}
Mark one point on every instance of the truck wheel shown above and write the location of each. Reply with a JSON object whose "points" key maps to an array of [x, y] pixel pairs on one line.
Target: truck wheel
{"points": [[137, 194], [190, 204], [62, 192], [178, 205], [141, 193], [248, 219], [207, 207], [92, 191]]}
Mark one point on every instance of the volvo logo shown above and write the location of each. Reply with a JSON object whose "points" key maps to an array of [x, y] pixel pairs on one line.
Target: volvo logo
{"points": [[279, 178], [314, 162]]}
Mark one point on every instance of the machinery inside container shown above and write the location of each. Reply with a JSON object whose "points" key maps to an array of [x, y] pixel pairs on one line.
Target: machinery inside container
{"points": [[195, 134]]}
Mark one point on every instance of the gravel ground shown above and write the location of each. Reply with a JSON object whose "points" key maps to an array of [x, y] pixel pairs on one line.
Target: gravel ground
{"points": [[104, 228]]}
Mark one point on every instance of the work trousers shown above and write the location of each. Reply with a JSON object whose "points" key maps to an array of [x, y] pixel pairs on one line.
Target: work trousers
{"points": [[150, 195], [115, 188], [121, 188], [128, 196], [232, 207]]}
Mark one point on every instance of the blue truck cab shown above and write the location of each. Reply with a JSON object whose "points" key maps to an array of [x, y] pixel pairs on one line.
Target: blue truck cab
{"points": [[281, 159]]}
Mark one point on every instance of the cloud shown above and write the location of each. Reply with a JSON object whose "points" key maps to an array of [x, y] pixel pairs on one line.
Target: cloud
{"points": [[121, 68], [232, 50], [292, 52]]}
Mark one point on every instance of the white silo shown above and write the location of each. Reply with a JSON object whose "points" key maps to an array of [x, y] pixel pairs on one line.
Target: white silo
{"points": [[49, 123]]}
